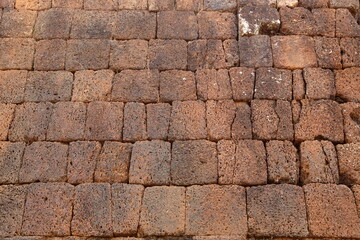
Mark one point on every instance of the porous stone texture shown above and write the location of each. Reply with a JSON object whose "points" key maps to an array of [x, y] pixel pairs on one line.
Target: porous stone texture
{"points": [[351, 113], [242, 81], [16, 53], [189, 5], [348, 84], [161, 5], [12, 86], [328, 52], [298, 85], [131, 54], [33, 4], [350, 52], [131, 4], [314, 3], [17, 23], [10, 161], [287, 3], [213, 84], [217, 25], [134, 122], [50, 55], [53, 24], [67, 3], [348, 155], [241, 126], [100, 5], [167, 54], [177, 25], [6, 116], [158, 120], [346, 24], [219, 5], [320, 83], [177, 85], [255, 51]]}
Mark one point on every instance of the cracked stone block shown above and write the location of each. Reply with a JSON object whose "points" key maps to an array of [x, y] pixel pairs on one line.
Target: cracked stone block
{"points": [[16, 53], [176, 85], [150, 163], [50, 86], [213, 84], [6, 116], [293, 52], [349, 163], [298, 85], [193, 162], [50, 55], [213, 209], [171, 25], [314, 3], [67, 3], [163, 211], [331, 211], [158, 120], [328, 52], [189, 5], [30, 122], [220, 5], [136, 86], [100, 5], [92, 85], [320, 83], [130, 24], [92, 210], [67, 122], [12, 201], [10, 162], [82, 161], [126, 206], [242, 81], [282, 162], [167, 54], [220, 116], [351, 113], [319, 120], [287, 3], [17, 23], [12, 86], [161, 5], [217, 25], [132, 4], [255, 20], [44, 162], [272, 120], [113, 162], [104, 121], [134, 122], [276, 210], [53, 23], [48, 209], [350, 49], [241, 125], [36, 5], [255, 51], [131, 54], [318, 162], [346, 24]]}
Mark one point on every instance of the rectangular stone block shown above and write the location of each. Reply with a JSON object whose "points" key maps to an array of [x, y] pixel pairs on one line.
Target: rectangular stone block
{"points": [[158, 120], [350, 52], [351, 113], [189, 5], [176, 85], [217, 25], [10, 161], [241, 127], [167, 54], [242, 81], [320, 83], [132, 4], [12, 86], [255, 51], [328, 52], [33, 4], [53, 23], [67, 3], [16, 53], [161, 5], [220, 5], [347, 84], [6, 116], [17, 23], [213, 84], [92, 24], [348, 155], [100, 4], [50, 55], [134, 122], [170, 25], [226, 161], [132, 54]]}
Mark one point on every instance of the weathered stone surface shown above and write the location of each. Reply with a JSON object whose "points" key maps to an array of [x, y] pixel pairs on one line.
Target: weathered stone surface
{"points": [[320, 83], [161, 5], [6, 116], [163, 211], [92, 85], [53, 23], [16, 53], [241, 126], [282, 162], [12, 86], [30, 122], [44, 162], [331, 211], [325, 21], [351, 113], [352, 5], [356, 191], [67, 3], [346, 24], [271, 3], [10, 162], [217, 25], [189, 5], [214, 209], [319, 163], [242, 81], [188, 120], [293, 52], [67, 122], [17, 23], [193, 162], [319, 120], [177, 25], [7, 3], [176, 85], [150, 163], [131, 4], [226, 161], [126, 206], [33, 4], [220, 5], [272, 120], [314, 3], [350, 48], [113, 162], [167, 54], [100, 5], [48, 209], [328, 52], [130, 54], [276, 210], [134, 122], [213, 84], [349, 163], [82, 161], [158, 120], [255, 51], [255, 20], [92, 210], [287, 3], [50, 55], [298, 85], [104, 121], [48, 86]]}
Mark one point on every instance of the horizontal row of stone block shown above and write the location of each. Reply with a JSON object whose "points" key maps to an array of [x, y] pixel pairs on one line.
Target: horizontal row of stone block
{"points": [[101, 209]]}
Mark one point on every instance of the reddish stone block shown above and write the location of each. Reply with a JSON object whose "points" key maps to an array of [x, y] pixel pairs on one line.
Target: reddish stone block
{"points": [[12, 199], [217, 25], [219, 5], [104, 121], [130, 54], [325, 21], [171, 25], [48, 86], [351, 113], [10, 162], [298, 85], [44, 162], [287, 3], [158, 120], [17, 23], [134, 122], [293, 52], [100, 5], [16, 53], [48, 209], [67, 3], [319, 120], [36, 5], [272, 120], [167, 54], [314, 3], [161, 5], [271, 3], [331, 211], [282, 162], [126, 205], [297, 21], [349, 159], [210, 210], [82, 161], [328, 52], [255, 51], [177, 85], [53, 23], [200, 156], [7, 3], [220, 116], [213, 84], [226, 161], [50, 55], [6, 116], [225, 237], [276, 210], [241, 126], [188, 120], [163, 211], [67, 122], [189, 5], [134, 24], [92, 85], [30, 122], [132, 4], [346, 24], [350, 48], [150, 163], [92, 210], [113, 162], [320, 83], [242, 83]]}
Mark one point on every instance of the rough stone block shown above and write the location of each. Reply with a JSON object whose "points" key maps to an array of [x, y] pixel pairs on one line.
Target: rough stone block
{"points": [[6, 116], [158, 120], [346, 24], [67, 3], [130, 54], [349, 162], [217, 25], [12, 86], [241, 126], [167, 54], [100, 4], [53, 23], [328, 52], [226, 161], [298, 21], [287, 3], [10, 162], [325, 21], [351, 113], [134, 122], [92, 24], [132, 4], [176, 85], [189, 5], [177, 25], [314, 3], [255, 51], [242, 3], [17, 23], [320, 83], [213, 84], [7, 3], [220, 5], [50, 55], [161, 5], [350, 48], [36, 5], [16, 53], [352, 5], [242, 81]]}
